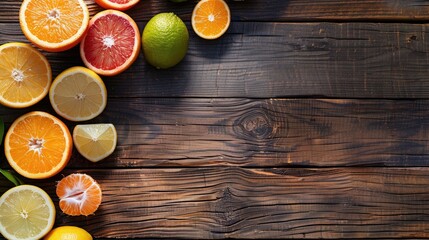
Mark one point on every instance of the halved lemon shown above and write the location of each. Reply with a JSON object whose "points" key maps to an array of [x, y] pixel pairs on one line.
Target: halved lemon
{"points": [[95, 141], [26, 212], [78, 94]]}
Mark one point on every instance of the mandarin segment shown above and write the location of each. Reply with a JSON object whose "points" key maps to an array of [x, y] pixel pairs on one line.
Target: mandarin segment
{"points": [[79, 194], [54, 25], [38, 145], [25, 75]]}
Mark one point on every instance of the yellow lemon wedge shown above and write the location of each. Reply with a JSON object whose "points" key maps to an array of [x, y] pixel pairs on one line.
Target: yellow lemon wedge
{"points": [[95, 141]]}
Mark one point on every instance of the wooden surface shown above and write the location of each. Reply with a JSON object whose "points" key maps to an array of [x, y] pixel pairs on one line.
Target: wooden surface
{"points": [[307, 119]]}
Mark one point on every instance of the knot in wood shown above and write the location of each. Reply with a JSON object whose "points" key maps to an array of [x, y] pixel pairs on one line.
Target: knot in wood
{"points": [[255, 124]]}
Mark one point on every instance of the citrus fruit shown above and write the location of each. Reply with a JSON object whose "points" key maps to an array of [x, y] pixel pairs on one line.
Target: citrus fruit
{"points": [[165, 40], [26, 212], [68, 233], [25, 75], [95, 141], [211, 18], [38, 145], [54, 25], [78, 94], [121, 5], [111, 44], [79, 194]]}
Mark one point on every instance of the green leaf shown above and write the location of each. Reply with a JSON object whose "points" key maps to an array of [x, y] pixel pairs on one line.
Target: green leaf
{"points": [[1, 130], [14, 179]]}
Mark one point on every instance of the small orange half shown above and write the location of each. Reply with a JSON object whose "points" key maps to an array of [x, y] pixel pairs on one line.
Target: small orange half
{"points": [[211, 18], [54, 25], [38, 145]]}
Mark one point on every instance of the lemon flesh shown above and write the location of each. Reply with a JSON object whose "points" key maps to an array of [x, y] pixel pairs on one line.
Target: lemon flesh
{"points": [[26, 212], [95, 141]]}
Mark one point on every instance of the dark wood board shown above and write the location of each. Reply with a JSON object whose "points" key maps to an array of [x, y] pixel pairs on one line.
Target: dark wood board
{"points": [[306, 120], [274, 10], [191, 132], [265, 60], [215, 203]]}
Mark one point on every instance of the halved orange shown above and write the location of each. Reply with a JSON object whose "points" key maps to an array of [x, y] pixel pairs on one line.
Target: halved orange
{"points": [[54, 25], [25, 75], [38, 145], [79, 194], [121, 5], [211, 18], [111, 44]]}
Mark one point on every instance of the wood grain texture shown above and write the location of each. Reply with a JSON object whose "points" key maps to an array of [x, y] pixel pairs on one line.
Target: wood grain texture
{"points": [[214, 203], [264, 60], [192, 132], [274, 10]]}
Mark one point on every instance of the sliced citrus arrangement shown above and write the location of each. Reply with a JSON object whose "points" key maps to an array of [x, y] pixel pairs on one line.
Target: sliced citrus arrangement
{"points": [[211, 18], [79, 194], [25, 75], [95, 141], [68, 232], [38, 145], [54, 25], [26, 212], [111, 44], [78, 94], [121, 5]]}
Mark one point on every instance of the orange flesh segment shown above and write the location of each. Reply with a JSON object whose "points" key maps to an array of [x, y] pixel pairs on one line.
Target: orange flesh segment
{"points": [[54, 21], [35, 132], [211, 18], [79, 195], [30, 65]]}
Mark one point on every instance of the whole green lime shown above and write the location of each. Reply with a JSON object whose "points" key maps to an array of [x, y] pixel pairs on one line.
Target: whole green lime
{"points": [[165, 40]]}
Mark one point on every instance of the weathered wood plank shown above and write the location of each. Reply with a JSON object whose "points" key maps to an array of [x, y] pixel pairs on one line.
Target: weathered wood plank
{"points": [[274, 10], [195, 132], [263, 60], [256, 203]]}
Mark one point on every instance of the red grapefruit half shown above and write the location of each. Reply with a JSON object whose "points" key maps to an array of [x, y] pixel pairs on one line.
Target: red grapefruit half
{"points": [[121, 5], [111, 44]]}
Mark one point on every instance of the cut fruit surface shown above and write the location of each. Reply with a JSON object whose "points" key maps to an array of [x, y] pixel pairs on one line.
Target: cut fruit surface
{"points": [[112, 43], [54, 25], [38, 145], [79, 194], [95, 141], [78, 94], [25, 75], [121, 5], [211, 18], [26, 212]]}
